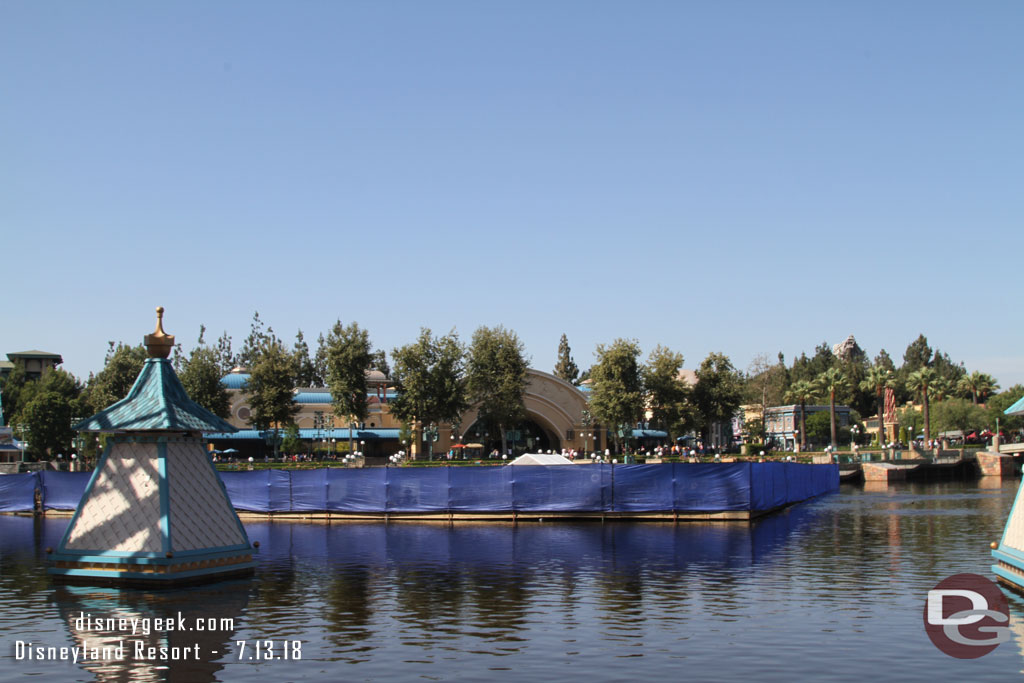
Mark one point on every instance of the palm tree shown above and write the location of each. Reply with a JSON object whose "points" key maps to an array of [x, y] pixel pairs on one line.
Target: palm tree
{"points": [[830, 382], [918, 383], [941, 388], [977, 384], [877, 381], [801, 392]]}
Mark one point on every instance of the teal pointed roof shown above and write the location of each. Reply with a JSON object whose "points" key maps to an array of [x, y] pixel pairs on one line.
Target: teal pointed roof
{"points": [[1016, 409], [156, 402]]}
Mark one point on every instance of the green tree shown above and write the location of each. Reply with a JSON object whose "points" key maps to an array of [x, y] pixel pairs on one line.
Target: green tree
{"points": [[253, 345], [201, 378], [50, 406], [811, 368], [566, 367], [617, 392], [270, 387], [348, 359], [800, 392], [977, 385], [958, 414], [819, 427], [429, 375], [379, 362], [878, 379], [496, 377], [918, 383], [997, 406], [292, 444], [11, 390], [320, 362], [226, 360], [305, 372], [765, 385], [718, 392], [832, 382], [667, 394], [121, 368]]}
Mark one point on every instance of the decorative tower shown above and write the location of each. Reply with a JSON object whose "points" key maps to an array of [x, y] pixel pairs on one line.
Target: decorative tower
{"points": [[155, 510]]}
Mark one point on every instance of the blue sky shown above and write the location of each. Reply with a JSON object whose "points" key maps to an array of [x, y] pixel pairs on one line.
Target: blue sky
{"points": [[742, 177]]}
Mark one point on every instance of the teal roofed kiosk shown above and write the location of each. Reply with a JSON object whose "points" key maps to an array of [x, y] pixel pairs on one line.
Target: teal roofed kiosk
{"points": [[155, 510], [1009, 551]]}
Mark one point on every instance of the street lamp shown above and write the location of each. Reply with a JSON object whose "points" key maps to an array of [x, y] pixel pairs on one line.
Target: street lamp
{"points": [[796, 440]]}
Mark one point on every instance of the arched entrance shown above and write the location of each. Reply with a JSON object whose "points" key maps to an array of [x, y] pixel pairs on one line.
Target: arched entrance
{"points": [[527, 436], [553, 412]]}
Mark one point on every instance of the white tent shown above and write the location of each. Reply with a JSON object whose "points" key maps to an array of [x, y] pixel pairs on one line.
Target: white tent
{"points": [[541, 459]]}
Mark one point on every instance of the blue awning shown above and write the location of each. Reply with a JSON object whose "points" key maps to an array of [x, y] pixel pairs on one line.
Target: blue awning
{"points": [[649, 434], [307, 434]]}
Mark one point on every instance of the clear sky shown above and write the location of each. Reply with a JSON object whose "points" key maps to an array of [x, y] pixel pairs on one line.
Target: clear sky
{"points": [[744, 177]]}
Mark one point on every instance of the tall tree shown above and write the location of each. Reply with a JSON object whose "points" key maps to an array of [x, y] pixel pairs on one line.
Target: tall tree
{"points": [[201, 376], [348, 359], [878, 379], [831, 382], [918, 382], [496, 377], [305, 373], [122, 367], [320, 362], [566, 367], [800, 392], [270, 387], [667, 394], [977, 385], [50, 405], [765, 384], [12, 388], [253, 345], [617, 392], [718, 392], [226, 360], [379, 362], [430, 378]]}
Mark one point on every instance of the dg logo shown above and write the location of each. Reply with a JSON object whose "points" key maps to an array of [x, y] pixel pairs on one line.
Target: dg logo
{"points": [[966, 616]]}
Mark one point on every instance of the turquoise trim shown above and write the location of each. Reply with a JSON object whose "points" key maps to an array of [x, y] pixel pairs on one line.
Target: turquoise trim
{"points": [[123, 557], [1008, 576], [152, 577], [1010, 556], [165, 500], [1016, 500], [85, 496]]}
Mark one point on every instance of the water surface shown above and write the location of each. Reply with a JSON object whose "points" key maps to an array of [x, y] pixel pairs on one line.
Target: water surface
{"points": [[832, 589]]}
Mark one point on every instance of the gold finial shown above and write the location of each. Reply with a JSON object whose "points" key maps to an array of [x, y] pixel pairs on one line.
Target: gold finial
{"points": [[159, 344]]}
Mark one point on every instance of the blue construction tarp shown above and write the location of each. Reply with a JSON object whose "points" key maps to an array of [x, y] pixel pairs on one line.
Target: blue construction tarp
{"points": [[358, 490], [560, 488], [259, 490], [681, 487], [18, 492], [63, 490]]}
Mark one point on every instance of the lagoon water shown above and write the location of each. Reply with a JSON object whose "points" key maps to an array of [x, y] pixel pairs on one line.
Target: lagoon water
{"points": [[832, 589]]}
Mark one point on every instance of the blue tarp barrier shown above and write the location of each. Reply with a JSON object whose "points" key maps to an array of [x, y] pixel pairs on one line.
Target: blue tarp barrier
{"points": [[18, 492], [480, 489], [309, 490], [560, 488], [642, 488], [357, 490], [259, 490], [683, 487], [63, 490], [417, 490], [710, 487]]}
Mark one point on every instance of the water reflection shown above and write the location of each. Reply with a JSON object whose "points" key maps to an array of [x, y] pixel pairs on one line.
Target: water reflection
{"points": [[122, 625], [404, 601]]}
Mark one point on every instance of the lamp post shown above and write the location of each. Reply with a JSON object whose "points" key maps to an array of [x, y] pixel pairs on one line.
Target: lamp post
{"points": [[796, 440], [854, 431]]}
